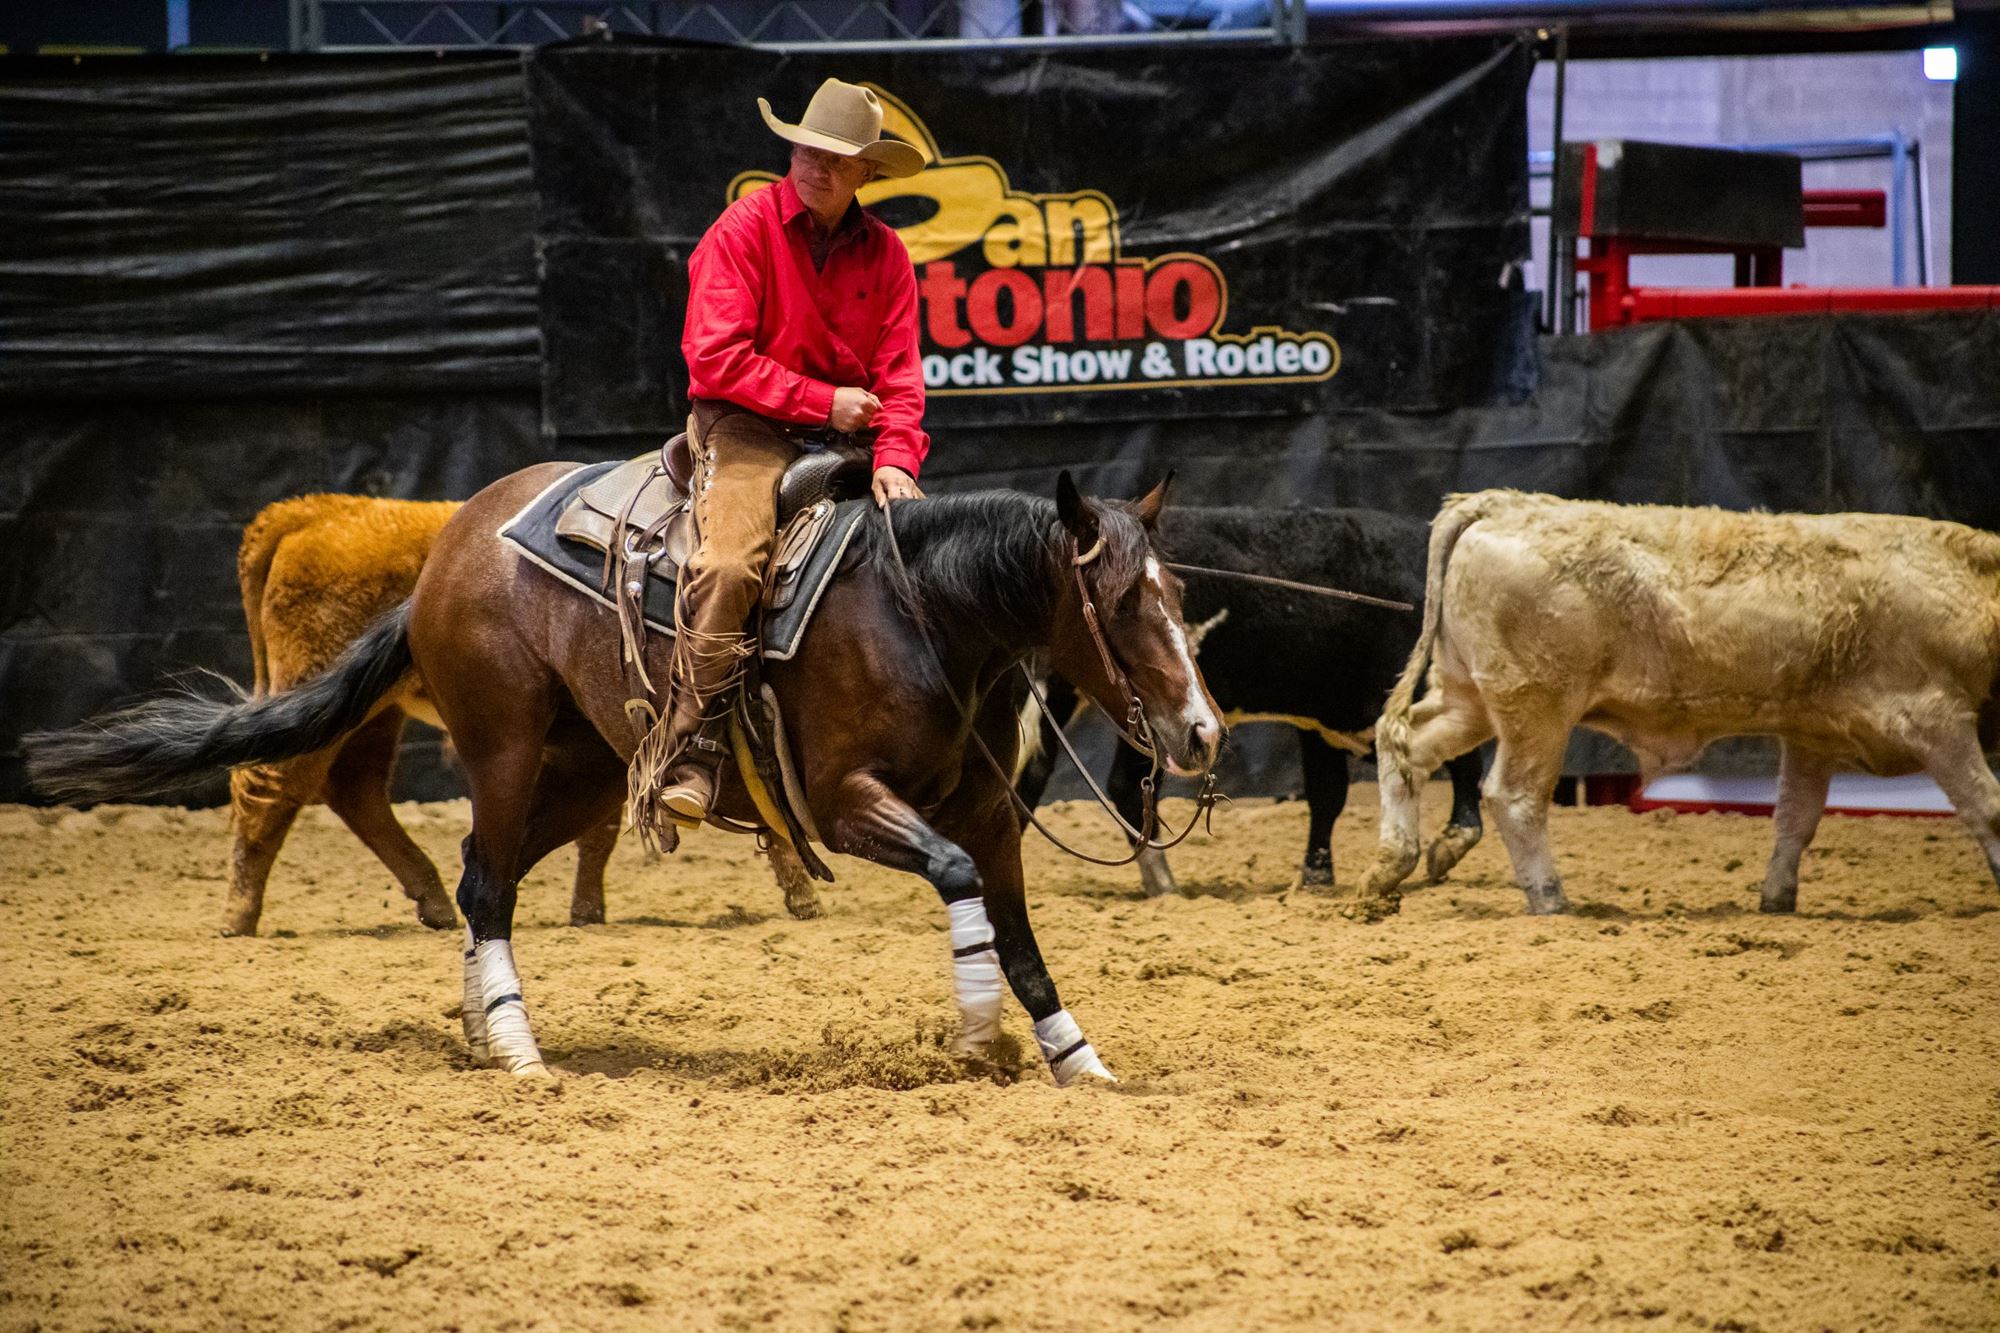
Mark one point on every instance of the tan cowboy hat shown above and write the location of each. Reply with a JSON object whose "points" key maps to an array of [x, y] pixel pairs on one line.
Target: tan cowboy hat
{"points": [[846, 118]]}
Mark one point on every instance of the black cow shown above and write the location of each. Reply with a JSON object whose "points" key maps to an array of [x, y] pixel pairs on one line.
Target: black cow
{"points": [[1320, 664]]}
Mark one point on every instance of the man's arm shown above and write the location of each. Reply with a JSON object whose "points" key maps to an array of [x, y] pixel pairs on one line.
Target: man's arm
{"points": [[719, 339], [896, 375]]}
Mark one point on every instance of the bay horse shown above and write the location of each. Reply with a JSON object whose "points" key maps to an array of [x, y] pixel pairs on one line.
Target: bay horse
{"points": [[315, 571], [904, 663]]}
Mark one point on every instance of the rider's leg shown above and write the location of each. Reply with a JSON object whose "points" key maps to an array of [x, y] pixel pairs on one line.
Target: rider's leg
{"points": [[739, 458]]}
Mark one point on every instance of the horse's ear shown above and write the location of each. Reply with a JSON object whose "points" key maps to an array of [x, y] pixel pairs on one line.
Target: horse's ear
{"points": [[1148, 506], [1069, 503]]}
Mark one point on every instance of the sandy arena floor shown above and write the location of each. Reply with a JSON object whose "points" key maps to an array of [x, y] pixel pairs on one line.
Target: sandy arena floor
{"points": [[1664, 1111]]}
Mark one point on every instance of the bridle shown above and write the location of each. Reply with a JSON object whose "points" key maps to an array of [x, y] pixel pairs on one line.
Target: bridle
{"points": [[1136, 731]]}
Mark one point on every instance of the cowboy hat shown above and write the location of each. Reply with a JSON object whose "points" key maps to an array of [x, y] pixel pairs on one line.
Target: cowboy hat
{"points": [[846, 118]]}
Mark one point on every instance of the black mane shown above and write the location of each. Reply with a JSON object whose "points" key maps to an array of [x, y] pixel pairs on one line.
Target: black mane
{"points": [[989, 557]]}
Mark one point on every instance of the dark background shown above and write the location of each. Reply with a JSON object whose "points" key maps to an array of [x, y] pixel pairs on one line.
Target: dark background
{"points": [[224, 281]]}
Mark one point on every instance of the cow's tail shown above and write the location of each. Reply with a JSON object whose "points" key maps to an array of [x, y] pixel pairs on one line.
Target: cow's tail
{"points": [[253, 572], [1392, 732], [166, 743]]}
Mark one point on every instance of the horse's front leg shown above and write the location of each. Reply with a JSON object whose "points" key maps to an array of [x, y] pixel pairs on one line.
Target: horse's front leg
{"points": [[873, 822], [983, 821]]}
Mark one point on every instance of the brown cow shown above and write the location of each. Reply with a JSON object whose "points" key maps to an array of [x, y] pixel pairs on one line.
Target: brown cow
{"points": [[1867, 641]]}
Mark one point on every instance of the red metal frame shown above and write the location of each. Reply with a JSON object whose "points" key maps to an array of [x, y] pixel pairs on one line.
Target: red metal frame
{"points": [[1760, 272]]}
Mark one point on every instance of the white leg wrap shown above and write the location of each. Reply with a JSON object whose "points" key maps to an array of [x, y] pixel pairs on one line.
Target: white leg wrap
{"points": [[975, 973], [1069, 1055], [510, 1042], [472, 1008]]}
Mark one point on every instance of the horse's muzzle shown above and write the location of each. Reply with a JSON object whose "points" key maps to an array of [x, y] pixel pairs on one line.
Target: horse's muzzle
{"points": [[1193, 746]]}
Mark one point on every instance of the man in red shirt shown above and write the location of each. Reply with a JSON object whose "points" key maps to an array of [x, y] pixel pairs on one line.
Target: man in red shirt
{"points": [[802, 316]]}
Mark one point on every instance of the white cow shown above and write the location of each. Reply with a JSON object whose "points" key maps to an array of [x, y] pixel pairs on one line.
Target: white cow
{"points": [[1867, 641]]}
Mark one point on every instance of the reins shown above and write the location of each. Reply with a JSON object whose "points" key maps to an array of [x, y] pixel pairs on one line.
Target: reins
{"points": [[1294, 586], [1137, 733]]}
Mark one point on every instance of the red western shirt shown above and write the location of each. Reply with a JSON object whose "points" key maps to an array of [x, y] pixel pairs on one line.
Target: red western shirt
{"points": [[767, 331]]}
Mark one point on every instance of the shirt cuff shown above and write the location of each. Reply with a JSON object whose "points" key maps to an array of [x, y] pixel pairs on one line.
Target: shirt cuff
{"points": [[815, 400], [898, 453]]}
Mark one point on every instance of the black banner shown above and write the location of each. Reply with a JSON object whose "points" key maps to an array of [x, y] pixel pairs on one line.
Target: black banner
{"points": [[1125, 235], [217, 226]]}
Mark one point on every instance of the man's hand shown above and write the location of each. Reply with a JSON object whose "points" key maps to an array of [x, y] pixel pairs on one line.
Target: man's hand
{"points": [[852, 409], [892, 483]]}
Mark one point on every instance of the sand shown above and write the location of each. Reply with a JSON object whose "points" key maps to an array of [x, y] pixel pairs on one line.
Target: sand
{"points": [[1663, 1111]]}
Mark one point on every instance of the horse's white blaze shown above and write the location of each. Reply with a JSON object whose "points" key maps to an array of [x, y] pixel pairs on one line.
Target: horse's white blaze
{"points": [[1195, 711], [1070, 1057], [510, 1041], [975, 973]]}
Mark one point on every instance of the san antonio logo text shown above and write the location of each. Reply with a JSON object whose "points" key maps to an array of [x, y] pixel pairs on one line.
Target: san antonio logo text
{"points": [[1032, 293]]}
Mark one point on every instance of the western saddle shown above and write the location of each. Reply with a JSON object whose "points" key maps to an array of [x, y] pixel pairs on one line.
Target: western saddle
{"points": [[639, 516]]}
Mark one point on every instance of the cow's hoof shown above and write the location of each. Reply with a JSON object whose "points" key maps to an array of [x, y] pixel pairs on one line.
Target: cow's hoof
{"points": [[1367, 909], [1450, 848], [1547, 901], [1315, 872]]}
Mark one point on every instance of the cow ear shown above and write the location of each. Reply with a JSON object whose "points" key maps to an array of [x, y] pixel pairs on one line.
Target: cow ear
{"points": [[1147, 507]]}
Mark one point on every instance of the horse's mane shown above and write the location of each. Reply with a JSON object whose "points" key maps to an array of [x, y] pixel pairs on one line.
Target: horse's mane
{"points": [[986, 557]]}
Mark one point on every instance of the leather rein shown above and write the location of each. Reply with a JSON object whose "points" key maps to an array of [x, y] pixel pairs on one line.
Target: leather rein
{"points": [[1135, 732], [1293, 585]]}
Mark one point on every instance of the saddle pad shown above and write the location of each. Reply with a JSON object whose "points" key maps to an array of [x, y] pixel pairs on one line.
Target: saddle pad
{"points": [[532, 532]]}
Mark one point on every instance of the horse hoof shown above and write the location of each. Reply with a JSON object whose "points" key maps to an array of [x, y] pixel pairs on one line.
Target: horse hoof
{"points": [[1780, 905], [438, 915], [587, 918], [233, 929]]}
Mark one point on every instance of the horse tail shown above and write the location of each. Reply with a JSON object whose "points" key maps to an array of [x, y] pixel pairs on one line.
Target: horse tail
{"points": [[1392, 732], [165, 743]]}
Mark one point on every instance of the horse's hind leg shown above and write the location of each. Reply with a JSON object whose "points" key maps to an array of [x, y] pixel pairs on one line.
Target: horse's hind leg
{"points": [[357, 789], [263, 802], [593, 853], [503, 762], [1325, 771], [534, 800], [1463, 831], [801, 895]]}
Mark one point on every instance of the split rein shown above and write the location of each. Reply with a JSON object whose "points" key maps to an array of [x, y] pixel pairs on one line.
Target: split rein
{"points": [[1136, 732]]}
